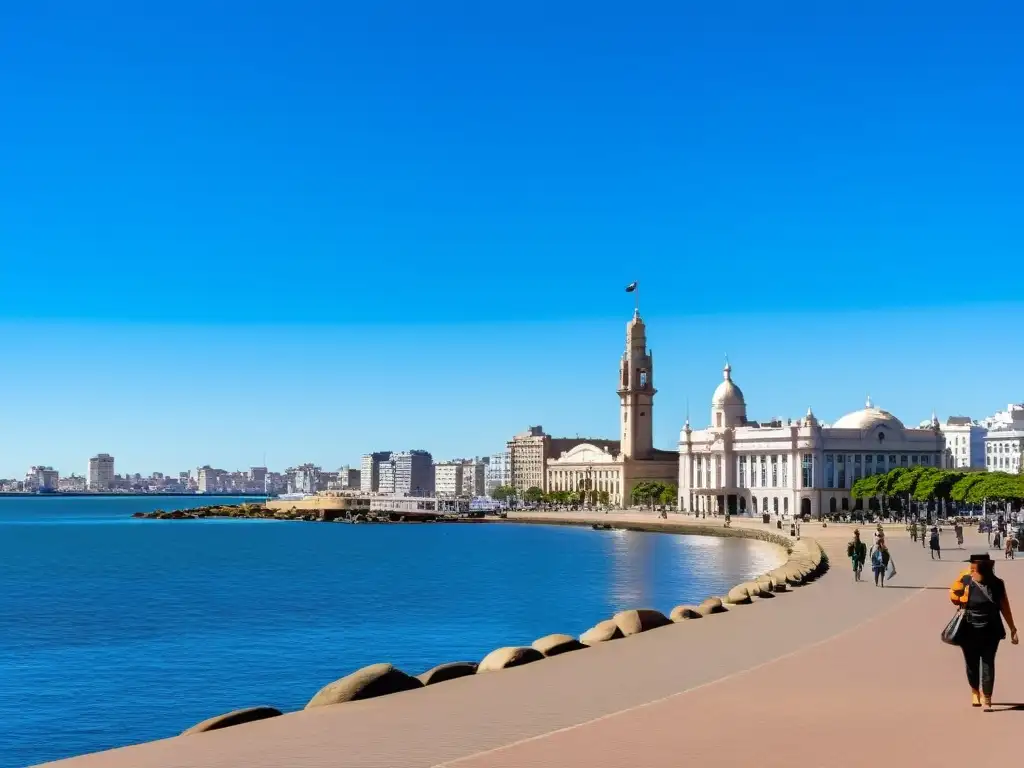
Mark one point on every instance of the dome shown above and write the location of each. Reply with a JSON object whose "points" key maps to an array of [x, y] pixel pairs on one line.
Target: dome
{"points": [[727, 392], [868, 417]]}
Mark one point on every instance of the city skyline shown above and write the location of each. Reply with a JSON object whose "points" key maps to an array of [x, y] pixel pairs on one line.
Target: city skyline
{"points": [[569, 414], [336, 229]]}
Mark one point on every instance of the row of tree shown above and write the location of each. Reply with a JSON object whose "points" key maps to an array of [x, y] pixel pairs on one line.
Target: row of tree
{"points": [[645, 494], [930, 485]]}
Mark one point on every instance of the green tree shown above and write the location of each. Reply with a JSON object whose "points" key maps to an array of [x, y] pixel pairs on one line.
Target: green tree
{"points": [[503, 493], [603, 498], [669, 495], [533, 495]]}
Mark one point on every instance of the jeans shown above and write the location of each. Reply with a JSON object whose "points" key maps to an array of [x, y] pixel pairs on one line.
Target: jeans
{"points": [[980, 659]]}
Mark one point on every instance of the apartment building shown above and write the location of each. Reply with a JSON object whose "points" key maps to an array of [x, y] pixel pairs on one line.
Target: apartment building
{"points": [[101, 472], [370, 470], [448, 477], [498, 472], [413, 473]]}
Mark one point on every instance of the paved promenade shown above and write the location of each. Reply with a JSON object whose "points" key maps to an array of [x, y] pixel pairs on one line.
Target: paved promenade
{"points": [[815, 677]]}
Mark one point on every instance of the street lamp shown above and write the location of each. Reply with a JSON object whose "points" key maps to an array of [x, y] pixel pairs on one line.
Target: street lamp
{"points": [[589, 482]]}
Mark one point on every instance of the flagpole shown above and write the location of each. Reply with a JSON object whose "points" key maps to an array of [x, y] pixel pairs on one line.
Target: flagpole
{"points": [[636, 298]]}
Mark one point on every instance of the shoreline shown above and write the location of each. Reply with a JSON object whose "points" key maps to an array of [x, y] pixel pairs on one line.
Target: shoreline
{"points": [[805, 560]]}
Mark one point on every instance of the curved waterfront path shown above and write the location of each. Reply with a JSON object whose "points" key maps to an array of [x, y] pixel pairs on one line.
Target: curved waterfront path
{"points": [[802, 677]]}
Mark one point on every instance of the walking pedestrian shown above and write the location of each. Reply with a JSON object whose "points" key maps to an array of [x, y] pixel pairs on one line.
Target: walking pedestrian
{"points": [[959, 528], [857, 551], [982, 594], [913, 532], [933, 544], [879, 562]]}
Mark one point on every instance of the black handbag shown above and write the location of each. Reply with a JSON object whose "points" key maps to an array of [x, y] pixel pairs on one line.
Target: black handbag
{"points": [[953, 634]]}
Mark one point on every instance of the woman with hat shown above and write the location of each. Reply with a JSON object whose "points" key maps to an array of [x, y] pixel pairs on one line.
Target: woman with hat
{"points": [[982, 595]]}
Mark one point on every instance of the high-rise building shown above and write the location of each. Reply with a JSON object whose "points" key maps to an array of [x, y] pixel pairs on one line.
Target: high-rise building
{"points": [[448, 476], [527, 455], [386, 478], [209, 479], [101, 472], [369, 471], [414, 473], [349, 479], [474, 474], [43, 479], [497, 473]]}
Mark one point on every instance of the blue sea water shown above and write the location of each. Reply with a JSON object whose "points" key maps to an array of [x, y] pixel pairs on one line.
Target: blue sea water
{"points": [[115, 630]]}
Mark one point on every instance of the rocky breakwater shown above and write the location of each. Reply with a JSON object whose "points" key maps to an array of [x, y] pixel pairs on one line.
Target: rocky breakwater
{"points": [[261, 512], [806, 562]]}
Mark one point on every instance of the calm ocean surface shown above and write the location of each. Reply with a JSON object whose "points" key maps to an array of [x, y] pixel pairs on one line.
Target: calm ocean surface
{"points": [[115, 631]]}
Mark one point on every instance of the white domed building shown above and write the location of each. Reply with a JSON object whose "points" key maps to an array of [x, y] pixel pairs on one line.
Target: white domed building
{"points": [[797, 467]]}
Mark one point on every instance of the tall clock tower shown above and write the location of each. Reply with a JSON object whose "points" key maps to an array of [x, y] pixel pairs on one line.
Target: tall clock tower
{"points": [[636, 393]]}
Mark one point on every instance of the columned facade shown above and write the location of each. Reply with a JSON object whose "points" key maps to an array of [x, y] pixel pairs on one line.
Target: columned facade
{"points": [[800, 467]]}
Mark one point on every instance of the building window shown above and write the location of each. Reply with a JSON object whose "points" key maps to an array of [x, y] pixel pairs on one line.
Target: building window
{"points": [[718, 420], [785, 505], [742, 471], [764, 474], [830, 480], [785, 471], [775, 505], [913, 460], [903, 460], [718, 472], [764, 504], [807, 470], [925, 460], [775, 472]]}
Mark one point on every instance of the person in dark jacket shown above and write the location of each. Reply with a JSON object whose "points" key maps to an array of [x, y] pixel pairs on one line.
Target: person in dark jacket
{"points": [[933, 543], [982, 595], [857, 551]]}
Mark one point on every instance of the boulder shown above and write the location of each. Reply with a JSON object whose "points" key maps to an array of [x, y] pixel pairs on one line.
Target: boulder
{"points": [[738, 595], [684, 613], [639, 620], [366, 683], [508, 657], [445, 672], [553, 645], [601, 632], [239, 716], [759, 590], [711, 605]]}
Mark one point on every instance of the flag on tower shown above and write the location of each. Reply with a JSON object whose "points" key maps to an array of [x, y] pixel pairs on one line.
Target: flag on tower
{"points": [[631, 287]]}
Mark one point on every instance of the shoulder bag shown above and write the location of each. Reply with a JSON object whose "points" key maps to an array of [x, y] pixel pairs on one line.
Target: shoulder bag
{"points": [[953, 634]]}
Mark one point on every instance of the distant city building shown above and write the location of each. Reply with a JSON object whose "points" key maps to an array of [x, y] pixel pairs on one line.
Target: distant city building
{"points": [[413, 473], [474, 477], [209, 479], [498, 472], [527, 456], [44, 479], [101, 472], [257, 478], [448, 478], [369, 471], [304, 479], [72, 484], [965, 442], [349, 479], [1004, 442], [386, 475]]}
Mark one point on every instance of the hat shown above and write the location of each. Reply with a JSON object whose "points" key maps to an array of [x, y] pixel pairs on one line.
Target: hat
{"points": [[982, 558]]}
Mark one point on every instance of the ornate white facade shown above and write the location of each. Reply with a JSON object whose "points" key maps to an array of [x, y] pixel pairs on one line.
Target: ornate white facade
{"points": [[800, 467], [588, 467]]}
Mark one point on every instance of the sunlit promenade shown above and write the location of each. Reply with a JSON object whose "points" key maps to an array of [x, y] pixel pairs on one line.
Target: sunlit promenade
{"points": [[801, 677]]}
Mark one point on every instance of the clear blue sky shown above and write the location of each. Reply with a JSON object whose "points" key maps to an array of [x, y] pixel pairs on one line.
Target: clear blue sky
{"points": [[319, 228]]}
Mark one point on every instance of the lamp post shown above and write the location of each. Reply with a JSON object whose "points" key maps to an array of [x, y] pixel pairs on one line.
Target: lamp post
{"points": [[588, 483]]}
